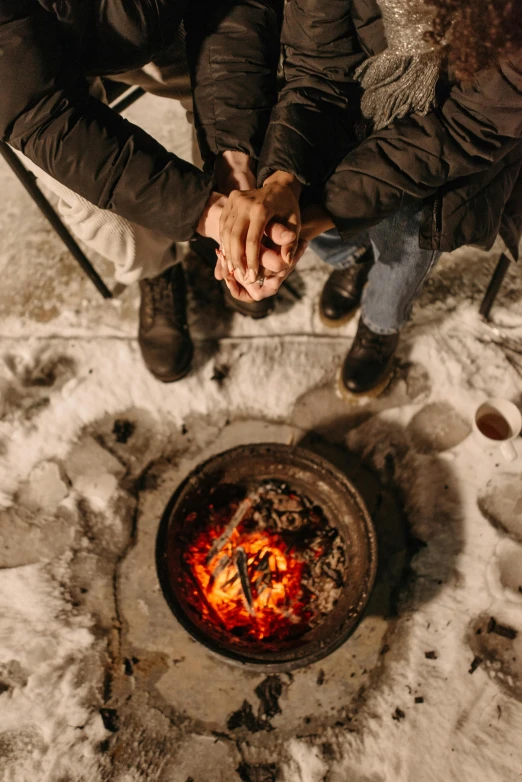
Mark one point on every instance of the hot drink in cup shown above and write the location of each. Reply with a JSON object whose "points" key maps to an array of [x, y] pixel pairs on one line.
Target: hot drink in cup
{"points": [[494, 426], [497, 423]]}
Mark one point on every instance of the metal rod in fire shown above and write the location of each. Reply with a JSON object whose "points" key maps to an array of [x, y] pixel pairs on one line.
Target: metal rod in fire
{"points": [[236, 520], [241, 561]]}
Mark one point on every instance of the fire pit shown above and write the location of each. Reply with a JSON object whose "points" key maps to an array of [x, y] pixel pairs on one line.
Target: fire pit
{"points": [[266, 555]]}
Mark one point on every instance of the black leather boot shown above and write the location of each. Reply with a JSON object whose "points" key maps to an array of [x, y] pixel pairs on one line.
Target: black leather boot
{"points": [[163, 335], [342, 292], [368, 367]]}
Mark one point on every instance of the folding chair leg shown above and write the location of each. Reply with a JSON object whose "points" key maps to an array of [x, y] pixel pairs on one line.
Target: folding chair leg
{"points": [[494, 286], [28, 180]]}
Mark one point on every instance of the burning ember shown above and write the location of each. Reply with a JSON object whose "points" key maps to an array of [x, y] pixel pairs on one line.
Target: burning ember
{"points": [[266, 568]]}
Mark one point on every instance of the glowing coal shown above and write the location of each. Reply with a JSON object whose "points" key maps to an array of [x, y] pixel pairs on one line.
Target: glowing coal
{"points": [[268, 567]]}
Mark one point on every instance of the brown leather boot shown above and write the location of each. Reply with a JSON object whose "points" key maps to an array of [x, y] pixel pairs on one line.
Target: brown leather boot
{"points": [[368, 367], [163, 335], [342, 292], [255, 310]]}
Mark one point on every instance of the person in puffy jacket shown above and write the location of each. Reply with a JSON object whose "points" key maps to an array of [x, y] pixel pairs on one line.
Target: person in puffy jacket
{"points": [[121, 191], [396, 136]]}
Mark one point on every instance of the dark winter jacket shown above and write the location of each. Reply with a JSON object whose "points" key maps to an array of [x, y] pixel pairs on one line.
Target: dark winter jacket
{"points": [[463, 158], [49, 47]]}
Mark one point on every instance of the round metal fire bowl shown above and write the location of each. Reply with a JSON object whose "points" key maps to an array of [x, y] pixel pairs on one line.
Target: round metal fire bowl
{"points": [[308, 474]]}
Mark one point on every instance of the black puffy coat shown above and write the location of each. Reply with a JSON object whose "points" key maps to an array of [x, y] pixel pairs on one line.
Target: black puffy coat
{"points": [[463, 159], [49, 47]]}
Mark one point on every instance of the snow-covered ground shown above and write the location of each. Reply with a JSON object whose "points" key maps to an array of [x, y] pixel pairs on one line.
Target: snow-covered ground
{"points": [[97, 682]]}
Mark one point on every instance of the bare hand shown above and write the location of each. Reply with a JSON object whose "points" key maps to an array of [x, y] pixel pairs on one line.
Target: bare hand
{"points": [[244, 222], [273, 271], [233, 170], [275, 236]]}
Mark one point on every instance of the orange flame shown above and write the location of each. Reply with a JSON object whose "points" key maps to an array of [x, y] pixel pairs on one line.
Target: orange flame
{"points": [[280, 605]]}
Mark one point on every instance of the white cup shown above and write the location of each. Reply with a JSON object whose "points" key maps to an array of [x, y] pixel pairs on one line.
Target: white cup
{"points": [[496, 424]]}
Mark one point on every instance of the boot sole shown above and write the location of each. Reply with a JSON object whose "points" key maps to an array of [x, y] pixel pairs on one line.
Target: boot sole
{"points": [[231, 307], [336, 324], [351, 396], [248, 315], [174, 378]]}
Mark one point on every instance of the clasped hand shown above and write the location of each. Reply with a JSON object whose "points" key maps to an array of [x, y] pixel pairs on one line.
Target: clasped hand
{"points": [[258, 230]]}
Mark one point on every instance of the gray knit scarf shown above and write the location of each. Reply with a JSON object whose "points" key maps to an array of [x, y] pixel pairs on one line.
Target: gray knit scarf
{"points": [[401, 80]]}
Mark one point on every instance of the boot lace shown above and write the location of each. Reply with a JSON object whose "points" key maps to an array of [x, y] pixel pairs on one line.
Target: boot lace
{"points": [[163, 299], [376, 344]]}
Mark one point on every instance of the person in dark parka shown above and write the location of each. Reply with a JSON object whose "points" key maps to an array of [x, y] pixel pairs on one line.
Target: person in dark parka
{"points": [[402, 119], [120, 190]]}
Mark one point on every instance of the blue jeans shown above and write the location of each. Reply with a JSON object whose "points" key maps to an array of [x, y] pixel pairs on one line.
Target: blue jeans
{"points": [[399, 269]]}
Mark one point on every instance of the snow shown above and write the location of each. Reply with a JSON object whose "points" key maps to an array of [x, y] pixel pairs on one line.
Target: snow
{"points": [[66, 516], [45, 706]]}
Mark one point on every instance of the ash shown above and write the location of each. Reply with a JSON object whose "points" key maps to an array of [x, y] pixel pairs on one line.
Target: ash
{"points": [[310, 538]]}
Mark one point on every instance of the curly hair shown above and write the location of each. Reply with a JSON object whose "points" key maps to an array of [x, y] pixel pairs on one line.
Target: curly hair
{"points": [[477, 31]]}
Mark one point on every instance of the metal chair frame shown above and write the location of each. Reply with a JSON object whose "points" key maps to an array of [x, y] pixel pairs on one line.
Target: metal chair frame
{"points": [[494, 286], [123, 100]]}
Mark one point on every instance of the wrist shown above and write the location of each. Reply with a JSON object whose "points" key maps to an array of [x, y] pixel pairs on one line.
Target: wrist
{"points": [[284, 179], [209, 221], [234, 170], [236, 160], [315, 220]]}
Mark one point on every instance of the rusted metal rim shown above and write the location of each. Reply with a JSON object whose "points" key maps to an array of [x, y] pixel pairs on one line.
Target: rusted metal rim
{"points": [[342, 504]]}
